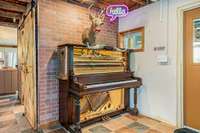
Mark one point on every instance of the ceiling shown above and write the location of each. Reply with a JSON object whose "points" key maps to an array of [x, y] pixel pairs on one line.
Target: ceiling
{"points": [[132, 4], [11, 11]]}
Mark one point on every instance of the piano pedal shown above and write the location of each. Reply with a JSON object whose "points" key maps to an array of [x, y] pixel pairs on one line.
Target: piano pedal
{"points": [[103, 119], [106, 118]]}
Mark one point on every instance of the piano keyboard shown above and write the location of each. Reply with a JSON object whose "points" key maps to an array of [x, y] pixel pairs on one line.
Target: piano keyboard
{"points": [[110, 84]]}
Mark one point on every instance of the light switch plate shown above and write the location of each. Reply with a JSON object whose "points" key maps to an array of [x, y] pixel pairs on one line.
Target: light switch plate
{"points": [[162, 59]]}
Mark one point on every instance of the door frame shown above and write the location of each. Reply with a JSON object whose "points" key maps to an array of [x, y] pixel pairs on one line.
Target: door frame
{"points": [[180, 58]]}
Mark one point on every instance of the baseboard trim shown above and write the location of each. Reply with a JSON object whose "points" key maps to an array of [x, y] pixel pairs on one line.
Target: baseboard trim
{"points": [[158, 119]]}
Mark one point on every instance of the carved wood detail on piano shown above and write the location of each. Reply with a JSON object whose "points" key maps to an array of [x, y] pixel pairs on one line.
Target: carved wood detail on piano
{"points": [[97, 85], [87, 61]]}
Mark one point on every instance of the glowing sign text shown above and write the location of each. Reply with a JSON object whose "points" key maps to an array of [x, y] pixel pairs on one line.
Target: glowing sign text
{"points": [[116, 11]]}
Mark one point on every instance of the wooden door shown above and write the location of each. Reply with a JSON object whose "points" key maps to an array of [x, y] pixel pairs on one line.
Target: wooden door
{"points": [[192, 68], [27, 67]]}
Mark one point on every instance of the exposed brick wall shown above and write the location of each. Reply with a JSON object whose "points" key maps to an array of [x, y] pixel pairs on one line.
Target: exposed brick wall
{"points": [[61, 22]]}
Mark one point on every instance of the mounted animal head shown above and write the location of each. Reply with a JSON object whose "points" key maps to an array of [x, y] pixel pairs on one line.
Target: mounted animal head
{"points": [[89, 34], [97, 19]]}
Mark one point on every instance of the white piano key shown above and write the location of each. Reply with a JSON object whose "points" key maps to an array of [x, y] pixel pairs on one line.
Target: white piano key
{"points": [[109, 84]]}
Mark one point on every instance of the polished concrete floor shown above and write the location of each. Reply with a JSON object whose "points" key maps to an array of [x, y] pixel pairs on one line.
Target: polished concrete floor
{"points": [[12, 120]]}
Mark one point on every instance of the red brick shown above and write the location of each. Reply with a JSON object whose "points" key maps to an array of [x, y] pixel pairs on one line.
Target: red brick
{"points": [[61, 22]]}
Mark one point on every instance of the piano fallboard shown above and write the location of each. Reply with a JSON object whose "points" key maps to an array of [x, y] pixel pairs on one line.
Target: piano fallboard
{"points": [[93, 83]]}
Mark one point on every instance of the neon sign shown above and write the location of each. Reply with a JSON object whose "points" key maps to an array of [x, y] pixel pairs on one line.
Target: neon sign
{"points": [[116, 11]]}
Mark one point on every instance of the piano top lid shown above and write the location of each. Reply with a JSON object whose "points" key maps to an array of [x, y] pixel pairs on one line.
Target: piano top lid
{"points": [[72, 44], [85, 47]]}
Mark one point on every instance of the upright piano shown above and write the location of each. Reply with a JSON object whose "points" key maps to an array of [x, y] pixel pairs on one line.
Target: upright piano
{"points": [[94, 85]]}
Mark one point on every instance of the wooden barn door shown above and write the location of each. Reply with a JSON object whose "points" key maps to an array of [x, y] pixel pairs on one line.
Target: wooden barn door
{"points": [[192, 68], [27, 67]]}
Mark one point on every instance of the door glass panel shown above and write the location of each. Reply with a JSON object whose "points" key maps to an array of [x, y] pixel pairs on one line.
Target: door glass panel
{"points": [[196, 41]]}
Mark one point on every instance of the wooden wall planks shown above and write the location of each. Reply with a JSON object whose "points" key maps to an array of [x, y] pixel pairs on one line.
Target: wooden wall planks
{"points": [[8, 81]]}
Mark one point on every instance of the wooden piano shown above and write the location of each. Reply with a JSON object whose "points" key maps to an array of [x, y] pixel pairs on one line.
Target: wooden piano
{"points": [[94, 85]]}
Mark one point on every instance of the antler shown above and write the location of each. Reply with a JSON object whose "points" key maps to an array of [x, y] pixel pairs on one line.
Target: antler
{"points": [[89, 10], [101, 14], [91, 5]]}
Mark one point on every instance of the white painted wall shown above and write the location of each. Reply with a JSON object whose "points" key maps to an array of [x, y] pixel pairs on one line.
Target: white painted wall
{"points": [[158, 96], [8, 36]]}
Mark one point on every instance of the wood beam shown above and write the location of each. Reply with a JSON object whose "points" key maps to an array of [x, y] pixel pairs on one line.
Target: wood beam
{"points": [[138, 2], [25, 1], [8, 46], [20, 2], [136, 6], [8, 24], [4, 19], [13, 7], [6, 14], [25, 14], [97, 5]]}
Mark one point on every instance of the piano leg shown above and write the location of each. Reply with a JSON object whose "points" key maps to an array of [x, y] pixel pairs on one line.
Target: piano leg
{"points": [[76, 128], [135, 109]]}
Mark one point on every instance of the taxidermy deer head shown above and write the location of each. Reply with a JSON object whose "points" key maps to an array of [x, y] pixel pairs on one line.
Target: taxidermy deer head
{"points": [[89, 34]]}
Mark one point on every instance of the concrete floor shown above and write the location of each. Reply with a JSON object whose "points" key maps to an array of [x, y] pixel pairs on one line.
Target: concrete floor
{"points": [[13, 121]]}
